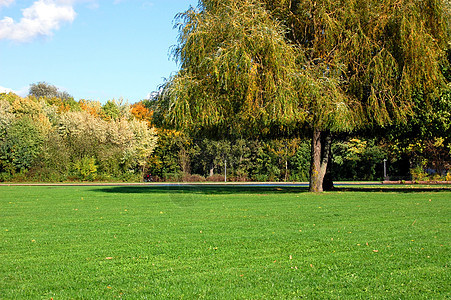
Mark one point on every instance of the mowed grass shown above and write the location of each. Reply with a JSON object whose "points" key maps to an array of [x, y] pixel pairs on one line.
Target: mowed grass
{"points": [[143, 242]]}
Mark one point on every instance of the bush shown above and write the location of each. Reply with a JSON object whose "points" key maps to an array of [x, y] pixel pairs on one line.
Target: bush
{"points": [[418, 174], [216, 178], [261, 177], [86, 169], [173, 177], [193, 178]]}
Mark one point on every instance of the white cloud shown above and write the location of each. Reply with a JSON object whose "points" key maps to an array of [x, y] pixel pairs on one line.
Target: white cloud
{"points": [[22, 92], [5, 90], [40, 19], [6, 2]]}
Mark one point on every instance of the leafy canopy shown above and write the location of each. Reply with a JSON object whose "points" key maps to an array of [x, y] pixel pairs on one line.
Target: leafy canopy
{"points": [[249, 65], [236, 71], [373, 56]]}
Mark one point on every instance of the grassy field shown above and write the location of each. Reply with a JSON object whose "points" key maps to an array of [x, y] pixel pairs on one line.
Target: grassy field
{"points": [[142, 242]]}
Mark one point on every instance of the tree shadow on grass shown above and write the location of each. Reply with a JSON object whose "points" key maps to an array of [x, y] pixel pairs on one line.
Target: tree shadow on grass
{"points": [[203, 189], [254, 189]]}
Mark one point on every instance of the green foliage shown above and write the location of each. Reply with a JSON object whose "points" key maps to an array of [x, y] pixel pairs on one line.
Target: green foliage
{"points": [[6, 116], [369, 57], [169, 155], [236, 71], [20, 146], [358, 159], [358, 64], [111, 110], [299, 163], [426, 139], [177, 156], [86, 169]]}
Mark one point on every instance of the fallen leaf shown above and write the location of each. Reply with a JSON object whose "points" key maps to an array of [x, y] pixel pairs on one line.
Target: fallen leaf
{"points": [[376, 251], [108, 258]]}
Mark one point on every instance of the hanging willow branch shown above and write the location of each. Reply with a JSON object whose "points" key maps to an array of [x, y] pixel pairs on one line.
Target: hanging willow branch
{"points": [[237, 71], [372, 56]]}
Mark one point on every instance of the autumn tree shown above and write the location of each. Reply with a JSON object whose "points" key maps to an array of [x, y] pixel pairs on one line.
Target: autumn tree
{"points": [[141, 112], [334, 65]]}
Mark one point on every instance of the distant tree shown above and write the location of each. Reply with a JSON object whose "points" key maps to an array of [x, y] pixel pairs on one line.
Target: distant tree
{"points": [[64, 95], [110, 110], [46, 90], [94, 108], [43, 89], [141, 112]]}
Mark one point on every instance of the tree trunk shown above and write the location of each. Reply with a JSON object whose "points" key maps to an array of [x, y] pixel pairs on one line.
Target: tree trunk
{"points": [[212, 170], [321, 145]]}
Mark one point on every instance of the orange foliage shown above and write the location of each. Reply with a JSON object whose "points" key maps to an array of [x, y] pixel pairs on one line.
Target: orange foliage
{"points": [[141, 112], [91, 107], [62, 108]]}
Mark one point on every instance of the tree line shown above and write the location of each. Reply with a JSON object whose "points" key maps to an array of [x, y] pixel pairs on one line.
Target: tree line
{"points": [[59, 139], [54, 139]]}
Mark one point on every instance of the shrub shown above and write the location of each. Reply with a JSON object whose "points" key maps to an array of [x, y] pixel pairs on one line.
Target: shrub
{"points": [[418, 174], [216, 178], [193, 178], [86, 169]]}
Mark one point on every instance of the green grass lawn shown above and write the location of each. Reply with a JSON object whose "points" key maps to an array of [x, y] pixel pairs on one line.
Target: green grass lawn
{"points": [[225, 242]]}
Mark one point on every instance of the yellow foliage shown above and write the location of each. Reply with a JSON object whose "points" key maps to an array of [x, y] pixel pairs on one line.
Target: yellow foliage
{"points": [[439, 142], [448, 176]]}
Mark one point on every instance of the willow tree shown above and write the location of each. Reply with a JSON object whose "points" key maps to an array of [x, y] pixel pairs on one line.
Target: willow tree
{"points": [[236, 71], [336, 65], [370, 56]]}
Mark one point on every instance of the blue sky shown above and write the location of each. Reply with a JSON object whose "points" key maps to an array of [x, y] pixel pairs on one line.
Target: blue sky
{"points": [[98, 50]]}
